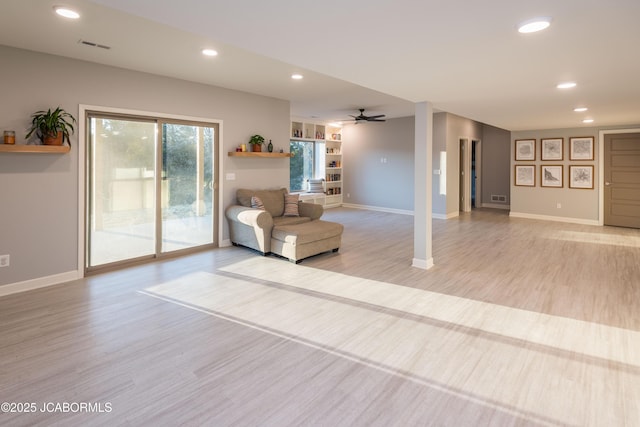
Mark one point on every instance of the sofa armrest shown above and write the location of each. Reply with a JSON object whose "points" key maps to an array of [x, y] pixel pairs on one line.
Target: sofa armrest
{"points": [[250, 216], [250, 227], [310, 210]]}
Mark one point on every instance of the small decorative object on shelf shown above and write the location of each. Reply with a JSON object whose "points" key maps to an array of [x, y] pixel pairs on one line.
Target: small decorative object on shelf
{"points": [[270, 147], [9, 137], [256, 142], [52, 127]]}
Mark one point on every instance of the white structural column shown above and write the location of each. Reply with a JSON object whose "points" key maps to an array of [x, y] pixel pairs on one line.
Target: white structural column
{"points": [[422, 233]]}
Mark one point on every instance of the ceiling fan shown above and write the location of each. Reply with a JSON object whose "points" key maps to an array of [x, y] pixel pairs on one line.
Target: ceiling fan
{"points": [[363, 118]]}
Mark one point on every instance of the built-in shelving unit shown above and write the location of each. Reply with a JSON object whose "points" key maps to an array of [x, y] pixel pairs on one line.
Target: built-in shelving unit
{"points": [[260, 154], [329, 165], [21, 148], [333, 166]]}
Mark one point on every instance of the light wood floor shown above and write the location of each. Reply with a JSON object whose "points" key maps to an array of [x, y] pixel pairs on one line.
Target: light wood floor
{"points": [[520, 322]]}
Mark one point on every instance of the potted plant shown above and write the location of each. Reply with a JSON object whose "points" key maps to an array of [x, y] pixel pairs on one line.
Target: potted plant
{"points": [[256, 141], [52, 127]]}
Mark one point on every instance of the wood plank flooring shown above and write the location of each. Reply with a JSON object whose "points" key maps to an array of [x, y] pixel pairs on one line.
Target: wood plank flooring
{"points": [[520, 322]]}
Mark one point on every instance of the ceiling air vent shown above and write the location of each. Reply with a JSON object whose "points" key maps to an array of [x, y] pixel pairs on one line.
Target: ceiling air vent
{"points": [[92, 44]]}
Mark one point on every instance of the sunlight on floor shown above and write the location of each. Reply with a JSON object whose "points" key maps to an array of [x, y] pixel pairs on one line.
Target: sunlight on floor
{"points": [[524, 362], [597, 238]]}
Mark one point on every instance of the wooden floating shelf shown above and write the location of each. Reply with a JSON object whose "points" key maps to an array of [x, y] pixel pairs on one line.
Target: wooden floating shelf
{"points": [[21, 148], [261, 154]]}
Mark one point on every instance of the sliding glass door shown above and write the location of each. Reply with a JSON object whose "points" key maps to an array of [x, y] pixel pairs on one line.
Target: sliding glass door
{"points": [[187, 186], [151, 188]]}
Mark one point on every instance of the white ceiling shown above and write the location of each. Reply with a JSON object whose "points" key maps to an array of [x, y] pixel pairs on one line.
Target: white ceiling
{"points": [[465, 57]]}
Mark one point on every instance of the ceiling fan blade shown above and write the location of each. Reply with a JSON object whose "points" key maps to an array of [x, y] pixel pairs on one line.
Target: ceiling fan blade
{"points": [[376, 117], [376, 120]]}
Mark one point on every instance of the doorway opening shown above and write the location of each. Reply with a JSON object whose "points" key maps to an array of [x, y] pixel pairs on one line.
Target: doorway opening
{"points": [[470, 179]]}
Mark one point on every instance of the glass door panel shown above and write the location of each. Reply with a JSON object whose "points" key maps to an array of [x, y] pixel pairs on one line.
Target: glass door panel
{"points": [[122, 202], [187, 186]]}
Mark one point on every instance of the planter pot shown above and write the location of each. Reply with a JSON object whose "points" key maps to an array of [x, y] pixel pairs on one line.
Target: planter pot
{"points": [[257, 148], [52, 140]]}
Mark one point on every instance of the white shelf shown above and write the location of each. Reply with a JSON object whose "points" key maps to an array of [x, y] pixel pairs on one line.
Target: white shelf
{"points": [[301, 130]]}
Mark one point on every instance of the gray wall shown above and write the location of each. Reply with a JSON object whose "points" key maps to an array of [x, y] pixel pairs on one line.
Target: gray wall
{"points": [[368, 179], [496, 166], [439, 206], [390, 185], [39, 193], [575, 203], [457, 128]]}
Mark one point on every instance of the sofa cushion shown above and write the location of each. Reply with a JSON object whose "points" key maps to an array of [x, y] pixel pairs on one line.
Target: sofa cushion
{"points": [[290, 220], [311, 231], [273, 200]]}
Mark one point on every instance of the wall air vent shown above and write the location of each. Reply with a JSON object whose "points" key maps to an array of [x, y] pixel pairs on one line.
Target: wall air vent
{"points": [[498, 198], [92, 44]]}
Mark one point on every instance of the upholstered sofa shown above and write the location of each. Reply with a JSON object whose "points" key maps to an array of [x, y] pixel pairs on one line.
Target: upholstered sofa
{"points": [[267, 228]]}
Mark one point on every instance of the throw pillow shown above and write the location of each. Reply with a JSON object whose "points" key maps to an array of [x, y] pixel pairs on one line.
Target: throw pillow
{"points": [[315, 186], [256, 203], [291, 205]]}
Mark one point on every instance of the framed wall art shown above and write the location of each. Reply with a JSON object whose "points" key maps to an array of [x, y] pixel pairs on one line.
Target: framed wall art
{"points": [[525, 175], [551, 176], [581, 177], [581, 148], [552, 149], [525, 149]]}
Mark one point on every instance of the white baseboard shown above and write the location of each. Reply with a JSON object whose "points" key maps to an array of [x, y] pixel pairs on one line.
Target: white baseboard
{"points": [[377, 208], [445, 216], [554, 218], [423, 264], [496, 206], [41, 282]]}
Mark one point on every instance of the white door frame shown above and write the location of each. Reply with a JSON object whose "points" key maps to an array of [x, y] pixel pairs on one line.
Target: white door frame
{"points": [[478, 171], [464, 175]]}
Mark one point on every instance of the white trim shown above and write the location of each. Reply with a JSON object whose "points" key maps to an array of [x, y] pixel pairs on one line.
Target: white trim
{"points": [[554, 218], [40, 282], [423, 264], [601, 135], [478, 165], [377, 208], [82, 109], [225, 243], [445, 216], [496, 206]]}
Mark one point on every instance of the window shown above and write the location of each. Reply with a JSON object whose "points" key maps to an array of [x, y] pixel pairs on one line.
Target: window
{"points": [[302, 164]]}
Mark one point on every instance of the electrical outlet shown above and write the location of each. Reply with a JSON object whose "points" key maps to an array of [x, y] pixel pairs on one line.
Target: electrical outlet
{"points": [[4, 260], [559, 205]]}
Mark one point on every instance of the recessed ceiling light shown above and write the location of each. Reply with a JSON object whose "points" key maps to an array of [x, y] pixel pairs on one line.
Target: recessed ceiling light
{"points": [[534, 25], [566, 85], [66, 12], [296, 76], [587, 121], [580, 109], [209, 52]]}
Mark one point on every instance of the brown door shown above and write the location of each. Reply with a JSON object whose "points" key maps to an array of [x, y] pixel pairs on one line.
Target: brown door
{"points": [[622, 180]]}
